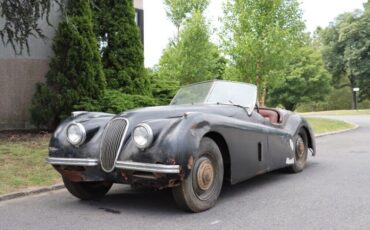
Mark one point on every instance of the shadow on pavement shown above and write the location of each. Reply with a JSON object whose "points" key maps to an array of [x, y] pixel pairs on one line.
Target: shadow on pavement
{"points": [[124, 199]]}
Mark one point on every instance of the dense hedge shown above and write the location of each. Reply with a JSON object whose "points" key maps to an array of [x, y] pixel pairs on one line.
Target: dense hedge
{"points": [[114, 101]]}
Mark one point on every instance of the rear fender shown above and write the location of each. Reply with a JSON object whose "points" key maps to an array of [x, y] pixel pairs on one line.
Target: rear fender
{"points": [[295, 123]]}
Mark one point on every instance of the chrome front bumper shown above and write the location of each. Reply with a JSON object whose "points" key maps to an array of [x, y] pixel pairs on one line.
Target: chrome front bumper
{"points": [[127, 165], [72, 161], [146, 167]]}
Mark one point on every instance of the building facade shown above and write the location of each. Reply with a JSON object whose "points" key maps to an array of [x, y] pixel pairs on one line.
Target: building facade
{"points": [[20, 74]]}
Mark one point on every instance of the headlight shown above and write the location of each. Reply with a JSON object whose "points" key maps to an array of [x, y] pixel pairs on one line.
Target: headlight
{"points": [[143, 136], [76, 134]]}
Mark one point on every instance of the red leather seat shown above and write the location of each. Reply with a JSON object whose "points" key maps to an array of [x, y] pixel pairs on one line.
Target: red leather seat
{"points": [[270, 114]]}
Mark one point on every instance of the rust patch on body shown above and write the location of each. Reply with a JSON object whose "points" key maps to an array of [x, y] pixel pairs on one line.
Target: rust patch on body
{"points": [[171, 161], [159, 175], [74, 176], [124, 176], [173, 183]]}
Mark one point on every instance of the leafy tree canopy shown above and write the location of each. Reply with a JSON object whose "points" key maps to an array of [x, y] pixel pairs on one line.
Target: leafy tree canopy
{"points": [[346, 50], [21, 20], [194, 58], [179, 10], [306, 80], [259, 37]]}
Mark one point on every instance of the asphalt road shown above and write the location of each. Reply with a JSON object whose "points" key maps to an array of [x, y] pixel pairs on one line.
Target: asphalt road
{"points": [[333, 192]]}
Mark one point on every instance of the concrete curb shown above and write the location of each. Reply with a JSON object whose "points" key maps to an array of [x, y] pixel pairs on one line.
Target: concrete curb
{"points": [[44, 189], [355, 126], [35, 191]]}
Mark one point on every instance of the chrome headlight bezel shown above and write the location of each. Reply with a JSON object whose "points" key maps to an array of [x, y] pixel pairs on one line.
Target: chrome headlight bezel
{"points": [[82, 134], [149, 135]]}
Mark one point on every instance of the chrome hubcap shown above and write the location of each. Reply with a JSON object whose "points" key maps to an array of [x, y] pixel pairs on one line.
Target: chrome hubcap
{"points": [[205, 175]]}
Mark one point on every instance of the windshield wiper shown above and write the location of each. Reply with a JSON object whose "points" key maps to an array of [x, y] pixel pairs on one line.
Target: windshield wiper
{"points": [[232, 103], [244, 108]]}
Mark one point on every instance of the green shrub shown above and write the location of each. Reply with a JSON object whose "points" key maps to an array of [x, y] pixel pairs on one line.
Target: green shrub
{"points": [[163, 88], [41, 109], [364, 104], [114, 101], [338, 99]]}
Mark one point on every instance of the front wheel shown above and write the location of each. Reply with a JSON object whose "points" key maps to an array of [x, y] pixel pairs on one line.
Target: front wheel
{"points": [[87, 190], [200, 190], [300, 151]]}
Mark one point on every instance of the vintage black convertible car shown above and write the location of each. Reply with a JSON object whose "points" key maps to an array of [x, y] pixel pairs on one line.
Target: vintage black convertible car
{"points": [[210, 133]]}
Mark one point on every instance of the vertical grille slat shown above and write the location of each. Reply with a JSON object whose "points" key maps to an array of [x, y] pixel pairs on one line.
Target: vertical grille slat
{"points": [[112, 142]]}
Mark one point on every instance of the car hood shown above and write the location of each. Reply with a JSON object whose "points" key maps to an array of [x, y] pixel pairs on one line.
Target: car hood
{"points": [[172, 111]]}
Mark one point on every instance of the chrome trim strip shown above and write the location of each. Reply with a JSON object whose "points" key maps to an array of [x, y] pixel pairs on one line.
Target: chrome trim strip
{"points": [[120, 145], [146, 167], [76, 113], [210, 91], [72, 161]]}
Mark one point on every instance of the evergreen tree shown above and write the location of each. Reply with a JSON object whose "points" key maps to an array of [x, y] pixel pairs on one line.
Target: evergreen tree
{"points": [[123, 57], [76, 72]]}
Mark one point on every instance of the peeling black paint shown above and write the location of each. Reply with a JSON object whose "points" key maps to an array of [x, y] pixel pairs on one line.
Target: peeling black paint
{"points": [[177, 137]]}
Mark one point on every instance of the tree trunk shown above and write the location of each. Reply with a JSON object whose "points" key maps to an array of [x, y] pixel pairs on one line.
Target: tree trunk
{"points": [[263, 95], [257, 76], [258, 82], [354, 101]]}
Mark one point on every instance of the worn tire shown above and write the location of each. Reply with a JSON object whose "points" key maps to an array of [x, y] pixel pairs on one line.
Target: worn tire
{"points": [[87, 190], [300, 151], [201, 189]]}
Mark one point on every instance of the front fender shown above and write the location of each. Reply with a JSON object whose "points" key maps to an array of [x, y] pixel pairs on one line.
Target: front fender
{"points": [[176, 141]]}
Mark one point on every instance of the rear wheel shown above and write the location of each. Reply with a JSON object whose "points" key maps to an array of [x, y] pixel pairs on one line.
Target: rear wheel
{"points": [[87, 190], [300, 151], [200, 190]]}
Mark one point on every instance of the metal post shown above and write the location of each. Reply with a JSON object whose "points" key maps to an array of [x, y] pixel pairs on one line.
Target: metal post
{"points": [[355, 90]]}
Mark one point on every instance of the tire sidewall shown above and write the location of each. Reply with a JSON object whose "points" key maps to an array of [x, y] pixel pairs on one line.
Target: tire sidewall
{"points": [[208, 148], [299, 164]]}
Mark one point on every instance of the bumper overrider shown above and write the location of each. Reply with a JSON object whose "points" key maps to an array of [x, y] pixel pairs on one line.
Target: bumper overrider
{"points": [[126, 165]]}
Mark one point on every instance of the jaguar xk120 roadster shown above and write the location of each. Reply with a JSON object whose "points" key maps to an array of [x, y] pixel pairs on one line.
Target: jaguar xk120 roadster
{"points": [[210, 133]]}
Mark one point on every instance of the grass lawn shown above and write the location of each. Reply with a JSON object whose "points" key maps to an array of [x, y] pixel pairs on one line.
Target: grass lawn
{"points": [[324, 125], [22, 162], [340, 112]]}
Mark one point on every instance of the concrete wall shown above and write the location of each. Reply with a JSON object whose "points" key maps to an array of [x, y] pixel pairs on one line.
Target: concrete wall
{"points": [[18, 78], [19, 75]]}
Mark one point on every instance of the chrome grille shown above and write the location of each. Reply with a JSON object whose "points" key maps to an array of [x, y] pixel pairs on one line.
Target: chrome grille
{"points": [[111, 143]]}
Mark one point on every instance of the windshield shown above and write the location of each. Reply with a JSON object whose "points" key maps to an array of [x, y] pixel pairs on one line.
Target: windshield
{"points": [[221, 92]]}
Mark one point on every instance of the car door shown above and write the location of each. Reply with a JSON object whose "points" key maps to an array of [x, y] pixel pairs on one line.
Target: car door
{"points": [[248, 147]]}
